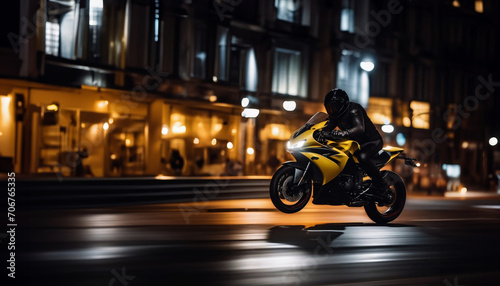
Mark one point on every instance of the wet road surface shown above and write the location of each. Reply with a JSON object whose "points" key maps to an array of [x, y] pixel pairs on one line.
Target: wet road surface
{"points": [[436, 241]]}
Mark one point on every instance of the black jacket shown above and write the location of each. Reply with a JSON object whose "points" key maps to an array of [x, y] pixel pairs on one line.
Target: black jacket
{"points": [[358, 124]]}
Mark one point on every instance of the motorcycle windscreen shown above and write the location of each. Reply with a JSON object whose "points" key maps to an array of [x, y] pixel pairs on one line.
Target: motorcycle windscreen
{"points": [[317, 118]]}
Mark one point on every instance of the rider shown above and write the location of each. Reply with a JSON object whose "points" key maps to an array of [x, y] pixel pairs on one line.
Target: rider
{"points": [[354, 124]]}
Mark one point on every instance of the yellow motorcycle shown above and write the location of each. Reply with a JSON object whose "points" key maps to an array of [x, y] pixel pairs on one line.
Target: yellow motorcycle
{"points": [[329, 170]]}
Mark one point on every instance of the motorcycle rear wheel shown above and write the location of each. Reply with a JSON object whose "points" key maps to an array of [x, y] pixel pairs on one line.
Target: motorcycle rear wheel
{"points": [[388, 212], [285, 195]]}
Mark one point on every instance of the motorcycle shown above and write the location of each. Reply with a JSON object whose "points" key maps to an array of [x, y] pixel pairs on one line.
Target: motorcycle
{"points": [[328, 170]]}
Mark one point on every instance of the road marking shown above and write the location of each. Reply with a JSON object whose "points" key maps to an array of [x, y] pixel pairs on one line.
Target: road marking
{"points": [[495, 207]]}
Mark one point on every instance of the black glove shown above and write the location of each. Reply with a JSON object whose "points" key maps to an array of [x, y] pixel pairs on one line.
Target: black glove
{"points": [[339, 134]]}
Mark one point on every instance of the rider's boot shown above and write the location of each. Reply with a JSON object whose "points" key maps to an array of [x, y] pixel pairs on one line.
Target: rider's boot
{"points": [[380, 184]]}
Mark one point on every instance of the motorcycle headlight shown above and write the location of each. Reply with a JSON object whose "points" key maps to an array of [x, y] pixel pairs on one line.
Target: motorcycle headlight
{"points": [[297, 145]]}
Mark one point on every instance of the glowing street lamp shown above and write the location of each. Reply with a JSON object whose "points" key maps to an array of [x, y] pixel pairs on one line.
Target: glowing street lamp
{"points": [[493, 141], [367, 65], [289, 105], [245, 101]]}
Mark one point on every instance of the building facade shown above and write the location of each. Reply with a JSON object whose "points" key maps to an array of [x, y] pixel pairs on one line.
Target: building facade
{"points": [[115, 88]]}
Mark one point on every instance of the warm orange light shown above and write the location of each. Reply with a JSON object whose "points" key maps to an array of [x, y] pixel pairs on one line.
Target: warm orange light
{"points": [[479, 6], [102, 103], [456, 3], [52, 107]]}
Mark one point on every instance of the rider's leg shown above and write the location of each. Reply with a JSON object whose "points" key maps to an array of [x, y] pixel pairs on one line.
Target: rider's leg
{"points": [[364, 156]]}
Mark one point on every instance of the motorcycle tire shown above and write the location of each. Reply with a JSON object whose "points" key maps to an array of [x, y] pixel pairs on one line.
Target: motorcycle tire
{"points": [[381, 215], [285, 197]]}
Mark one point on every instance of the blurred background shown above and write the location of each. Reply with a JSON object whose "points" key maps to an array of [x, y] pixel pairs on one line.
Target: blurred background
{"points": [[107, 88]]}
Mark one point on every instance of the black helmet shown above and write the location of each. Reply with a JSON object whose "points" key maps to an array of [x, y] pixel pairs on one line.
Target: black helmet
{"points": [[336, 103]]}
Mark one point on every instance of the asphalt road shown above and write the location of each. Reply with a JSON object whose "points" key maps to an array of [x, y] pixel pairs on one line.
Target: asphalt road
{"points": [[436, 241]]}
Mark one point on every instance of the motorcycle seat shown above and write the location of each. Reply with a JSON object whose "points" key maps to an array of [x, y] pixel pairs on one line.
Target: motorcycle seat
{"points": [[381, 158]]}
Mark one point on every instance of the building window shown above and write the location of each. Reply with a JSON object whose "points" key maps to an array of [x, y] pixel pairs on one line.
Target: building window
{"points": [[347, 16], [421, 114], [52, 38], [243, 65], [200, 51], [294, 11], [95, 26], [479, 6], [157, 20], [91, 30], [287, 77], [380, 111], [352, 78], [222, 54]]}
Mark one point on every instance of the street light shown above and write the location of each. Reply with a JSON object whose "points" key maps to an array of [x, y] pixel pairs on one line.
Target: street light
{"points": [[493, 141], [250, 112], [289, 105], [367, 65], [245, 101]]}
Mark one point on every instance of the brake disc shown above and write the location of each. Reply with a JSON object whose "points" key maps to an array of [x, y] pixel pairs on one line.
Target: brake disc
{"points": [[289, 192]]}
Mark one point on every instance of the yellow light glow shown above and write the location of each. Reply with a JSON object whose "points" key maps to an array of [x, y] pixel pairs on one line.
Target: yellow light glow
{"points": [[1, 133], [113, 156], [214, 78], [463, 190], [233, 131], [217, 127], [102, 103], [250, 151], [465, 144], [421, 114], [127, 142], [111, 121], [214, 141], [212, 98], [6, 113], [230, 145], [406, 122], [178, 128], [418, 164], [380, 109], [164, 130], [105, 126], [456, 3], [83, 125], [52, 107], [275, 131], [196, 141], [479, 6]]}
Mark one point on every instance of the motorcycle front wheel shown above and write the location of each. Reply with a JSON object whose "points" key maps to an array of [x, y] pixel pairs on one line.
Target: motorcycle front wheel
{"points": [[286, 196], [388, 211]]}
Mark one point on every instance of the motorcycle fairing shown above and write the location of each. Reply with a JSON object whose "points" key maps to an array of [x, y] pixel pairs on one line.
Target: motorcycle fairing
{"points": [[330, 158]]}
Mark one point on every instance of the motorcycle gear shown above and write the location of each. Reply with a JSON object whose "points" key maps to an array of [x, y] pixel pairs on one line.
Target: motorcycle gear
{"points": [[336, 103], [356, 125], [359, 127]]}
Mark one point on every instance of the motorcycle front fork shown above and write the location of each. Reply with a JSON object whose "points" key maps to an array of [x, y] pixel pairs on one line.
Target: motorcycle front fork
{"points": [[299, 176]]}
